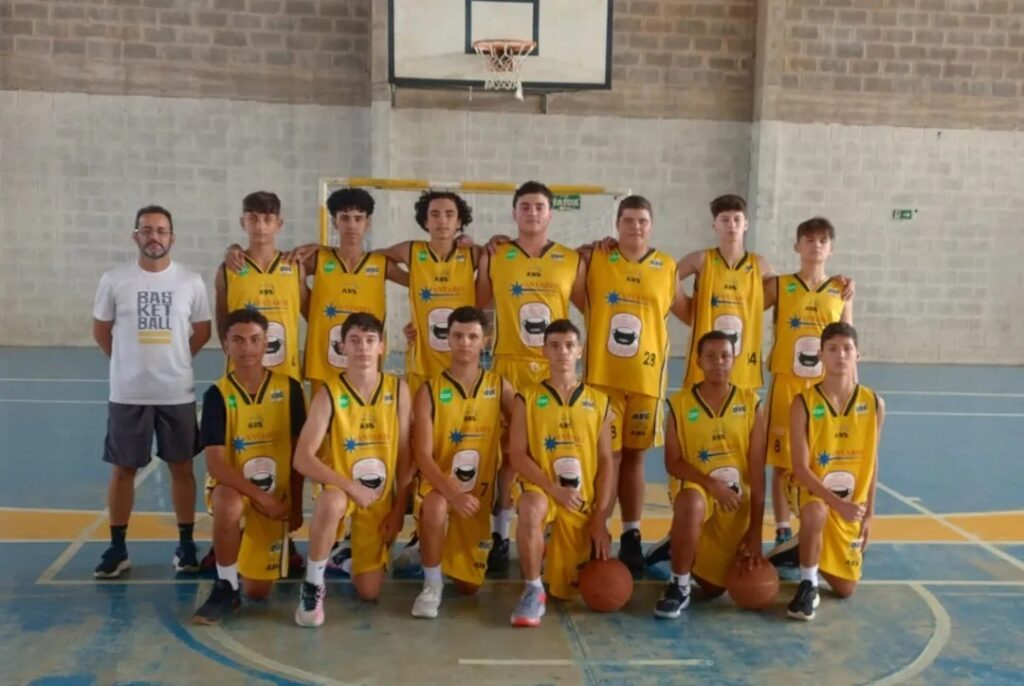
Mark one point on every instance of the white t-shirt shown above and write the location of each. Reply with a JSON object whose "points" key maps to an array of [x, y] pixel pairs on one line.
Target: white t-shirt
{"points": [[153, 312]]}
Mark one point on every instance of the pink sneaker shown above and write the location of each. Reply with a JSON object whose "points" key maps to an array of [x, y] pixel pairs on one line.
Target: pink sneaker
{"points": [[310, 611]]}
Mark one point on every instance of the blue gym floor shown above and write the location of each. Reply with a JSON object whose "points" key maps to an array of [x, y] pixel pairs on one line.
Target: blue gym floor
{"points": [[942, 601]]}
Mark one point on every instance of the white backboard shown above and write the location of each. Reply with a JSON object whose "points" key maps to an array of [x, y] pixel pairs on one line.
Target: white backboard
{"points": [[431, 41]]}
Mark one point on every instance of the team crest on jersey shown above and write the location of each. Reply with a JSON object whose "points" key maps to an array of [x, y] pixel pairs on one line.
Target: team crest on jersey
{"points": [[284, 269], [510, 254], [262, 472], [445, 395], [459, 257], [614, 257], [791, 287], [344, 401], [543, 400], [330, 266], [389, 397], [277, 395], [587, 404], [819, 411], [372, 271], [656, 263], [490, 393], [739, 409], [640, 416], [244, 271], [422, 256], [372, 473], [557, 256], [693, 414]]}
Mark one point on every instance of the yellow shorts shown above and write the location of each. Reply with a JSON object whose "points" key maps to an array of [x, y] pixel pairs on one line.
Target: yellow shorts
{"points": [[784, 389], [638, 423], [720, 537], [569, 548], [466, 546], [264, 551], [369, 550], [520, 373], [842, 553]]}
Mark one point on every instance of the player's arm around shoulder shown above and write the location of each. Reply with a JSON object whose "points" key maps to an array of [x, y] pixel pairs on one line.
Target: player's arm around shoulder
{"points": [[397, 253], [767, 270], [396, 274]]}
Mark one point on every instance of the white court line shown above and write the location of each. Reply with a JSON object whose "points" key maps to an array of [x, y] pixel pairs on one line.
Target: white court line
{"points": [[941, 519], [563, 662], [932, 649], [83, 537], [985, 594]]}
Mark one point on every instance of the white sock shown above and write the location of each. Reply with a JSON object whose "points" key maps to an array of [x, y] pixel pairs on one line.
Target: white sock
{"points": [[681, 580], [535, 582], [315, 571], [630, 526], [432, 575], [229, 574], [502, 522], [809, 574], [782, 524]]}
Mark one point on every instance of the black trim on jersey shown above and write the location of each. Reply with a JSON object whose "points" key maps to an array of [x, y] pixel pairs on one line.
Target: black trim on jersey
{"points": [[573, 397], [476, 384], [739, 264], [270, 268], [359, 265], [437, 258], [850, 403], [374, 397], [707, 408], [254, 399], [408, 259], [650, 251], [296, 407], [543, 251]]}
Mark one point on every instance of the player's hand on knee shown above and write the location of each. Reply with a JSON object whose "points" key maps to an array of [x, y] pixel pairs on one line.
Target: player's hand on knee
{"points": [[568, 498], [234, 257], [361, 495], [851, 512], [600, 539], [726, 497], [409, 330], [391, 526], [496, 241], [466, 504], [272, 507]]}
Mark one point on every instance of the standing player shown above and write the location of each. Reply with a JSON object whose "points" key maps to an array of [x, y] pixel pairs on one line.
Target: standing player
{"points": [[457, 418], [150, 317], [835, 426], [805, 303], [561, 436], [265, 282], [251, 418], [715, 458], [367, 471], [630, 290], [531, 281]]}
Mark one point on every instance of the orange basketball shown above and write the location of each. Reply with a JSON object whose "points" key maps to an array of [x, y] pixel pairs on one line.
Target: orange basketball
{"points": [[606, 585], [752, 589]]}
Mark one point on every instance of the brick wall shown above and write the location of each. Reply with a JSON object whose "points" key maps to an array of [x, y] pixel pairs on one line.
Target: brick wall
{"points": [[268, 50], [954, 63]]}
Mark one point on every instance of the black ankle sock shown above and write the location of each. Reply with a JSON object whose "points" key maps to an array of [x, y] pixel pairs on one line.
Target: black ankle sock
{"points": [[185, 533], [117, 536]]}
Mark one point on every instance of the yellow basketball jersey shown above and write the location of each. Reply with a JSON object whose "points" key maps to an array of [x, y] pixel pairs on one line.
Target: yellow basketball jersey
{"points": [[337, 293], [529, 294], [276, 294], [628, 304], [717, 443], [362, 442], [729, 299], [437, 285], [467, 431], [258, 431], [801, 314], [843, 441], [562, 438]]}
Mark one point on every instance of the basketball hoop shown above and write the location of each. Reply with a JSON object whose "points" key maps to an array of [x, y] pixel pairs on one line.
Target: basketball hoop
{"points": [[503, 60]]}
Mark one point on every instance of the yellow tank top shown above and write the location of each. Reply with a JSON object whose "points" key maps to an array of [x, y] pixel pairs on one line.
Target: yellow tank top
{"points": [[437, 285], [529, 294], [628, 304], [467, 431], [276, 294], [337, 293], [800, 316], [729, 299], [562, 438], [258, 431], [843, 441], [717, 443], [362, 443]]}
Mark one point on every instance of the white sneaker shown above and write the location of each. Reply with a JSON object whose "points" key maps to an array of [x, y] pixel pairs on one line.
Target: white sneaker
{"points": [[428, 601]]}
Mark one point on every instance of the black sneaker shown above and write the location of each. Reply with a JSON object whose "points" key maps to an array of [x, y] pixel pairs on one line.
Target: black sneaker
{"points": [[804, 602], [659, 552], [631, 552], [673, 601], [113, 564], [208, 565], [223, 599], [186, 558], [786, 554], [498, 557]]}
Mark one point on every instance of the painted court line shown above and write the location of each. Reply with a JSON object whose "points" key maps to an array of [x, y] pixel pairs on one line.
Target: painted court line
{"points": [[564, 662], [932, 649], [941, 519], [83, 537]]}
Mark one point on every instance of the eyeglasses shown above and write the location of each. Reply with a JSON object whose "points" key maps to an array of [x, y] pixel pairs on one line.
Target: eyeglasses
{"points": [[149, 232]]}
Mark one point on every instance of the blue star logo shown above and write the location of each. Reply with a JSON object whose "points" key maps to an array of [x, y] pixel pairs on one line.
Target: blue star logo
{"points": [[517, 289], [252, 307], [238, 444], [824, 459], [331, 311], [551, 443], [425, 294], [352, 444], [716, 301], [795, 323], [705, 455], [455, 437], [613, 298]]}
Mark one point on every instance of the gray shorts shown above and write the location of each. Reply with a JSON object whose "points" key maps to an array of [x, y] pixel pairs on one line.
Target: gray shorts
{"points": [[130, 430]]}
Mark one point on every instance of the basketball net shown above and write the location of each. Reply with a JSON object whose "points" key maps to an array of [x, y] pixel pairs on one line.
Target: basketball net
{"points": [[503, 60]]}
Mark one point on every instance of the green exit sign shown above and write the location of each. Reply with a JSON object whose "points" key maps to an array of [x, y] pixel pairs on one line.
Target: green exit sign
{"points": [[567, 202], [903, 215]]}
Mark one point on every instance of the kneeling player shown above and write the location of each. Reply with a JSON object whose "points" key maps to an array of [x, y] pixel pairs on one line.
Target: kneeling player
{"points": [[251, 418], [561, 445], [367, 475], [457, 447], [834, 431], [715, 455]]}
